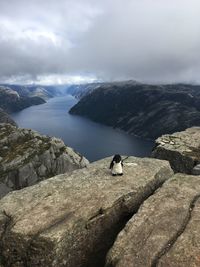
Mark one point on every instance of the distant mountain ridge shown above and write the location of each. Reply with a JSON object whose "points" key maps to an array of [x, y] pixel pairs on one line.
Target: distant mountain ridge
{"points": [[44, 92], [140, 109], [11, 101], [81, 90]]}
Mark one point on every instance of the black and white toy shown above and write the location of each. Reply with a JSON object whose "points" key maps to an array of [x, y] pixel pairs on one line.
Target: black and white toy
{"points": [[116, 165]]}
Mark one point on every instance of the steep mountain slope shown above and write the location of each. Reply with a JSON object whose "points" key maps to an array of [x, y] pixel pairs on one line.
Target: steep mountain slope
{"points": [[81, 90], [44, 92], [143, 110], [11, 101], [4, 117]]}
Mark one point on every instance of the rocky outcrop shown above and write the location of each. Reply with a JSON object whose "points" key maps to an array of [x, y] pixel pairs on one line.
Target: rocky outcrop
{"points": [[72, 220], [26, 157], [165, 230], [141, 109], [181, 149], [5, 118]]}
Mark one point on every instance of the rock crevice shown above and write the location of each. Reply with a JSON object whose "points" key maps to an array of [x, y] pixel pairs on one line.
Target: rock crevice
{"points": [[72, 220], [171, 242], [158, 226]]}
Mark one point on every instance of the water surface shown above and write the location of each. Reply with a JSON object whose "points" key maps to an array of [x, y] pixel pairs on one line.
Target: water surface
{"points": [[93, 140]]}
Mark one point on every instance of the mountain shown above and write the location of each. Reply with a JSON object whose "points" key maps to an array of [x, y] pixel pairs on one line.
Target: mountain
{"points": [[140, 109], [11, 101], [44, 92], [80, 90]]}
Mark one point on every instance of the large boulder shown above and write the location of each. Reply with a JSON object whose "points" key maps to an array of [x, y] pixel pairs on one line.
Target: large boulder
{"points": [[72, 220], [26, 157], [181, 149], [165, 232]]}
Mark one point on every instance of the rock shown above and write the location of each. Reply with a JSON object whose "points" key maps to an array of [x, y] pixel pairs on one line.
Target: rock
{"points": [[5, 118], [196, 170], [183, 153], [72, 220], [165, 232], [4, 189], [28, 157]]}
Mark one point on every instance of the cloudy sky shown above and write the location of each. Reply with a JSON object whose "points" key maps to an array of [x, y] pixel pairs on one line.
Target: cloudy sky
{"points": [[60, 41]]}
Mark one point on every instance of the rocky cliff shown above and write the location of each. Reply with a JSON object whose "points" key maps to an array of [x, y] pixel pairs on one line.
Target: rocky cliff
{"points": [[5, 118], [87, 218], [141, 109], [165, 230], [27, 157], [181, 149], [72, 220]]}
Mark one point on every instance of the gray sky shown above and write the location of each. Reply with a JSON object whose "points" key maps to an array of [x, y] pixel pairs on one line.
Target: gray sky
{"points": [[59, 41]]}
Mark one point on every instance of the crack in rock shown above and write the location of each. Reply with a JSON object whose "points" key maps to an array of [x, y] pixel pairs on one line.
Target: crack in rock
{"points": [[157, 225], [98, 259], [79, 220], [173, 240]]}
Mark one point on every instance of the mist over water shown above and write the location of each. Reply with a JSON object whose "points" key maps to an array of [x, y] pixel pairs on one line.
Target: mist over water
{"points": [[93, 140]]}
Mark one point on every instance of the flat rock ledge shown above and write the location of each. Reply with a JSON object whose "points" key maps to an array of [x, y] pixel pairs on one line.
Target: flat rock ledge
{"points": [[165, 232], [181, 149], [27, 157], [73, 220]]}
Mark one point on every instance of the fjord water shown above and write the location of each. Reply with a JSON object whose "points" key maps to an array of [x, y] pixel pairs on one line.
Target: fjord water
{"points": [[93, 140]]}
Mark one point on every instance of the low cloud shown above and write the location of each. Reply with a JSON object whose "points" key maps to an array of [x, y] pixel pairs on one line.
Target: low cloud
{"points": [[147, 40]]}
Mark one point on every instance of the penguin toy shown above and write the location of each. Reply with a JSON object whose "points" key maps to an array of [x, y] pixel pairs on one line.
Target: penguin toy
{"points": [[116, 165]]}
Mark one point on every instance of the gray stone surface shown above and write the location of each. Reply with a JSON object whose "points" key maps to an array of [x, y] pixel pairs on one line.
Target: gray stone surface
{"points": [[5, 118], [26, 157], [196, 170], [181, 149], [166, 229], [72, 220]]}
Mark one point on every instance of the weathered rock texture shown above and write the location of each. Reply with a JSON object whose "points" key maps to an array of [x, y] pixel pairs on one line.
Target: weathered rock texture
{"points": [[72, 220], [5, 118], [26, 157], [181, 149], [165, 230]]}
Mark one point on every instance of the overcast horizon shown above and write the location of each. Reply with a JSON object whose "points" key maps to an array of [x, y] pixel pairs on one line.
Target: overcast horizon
{"points": [[66, 41]]}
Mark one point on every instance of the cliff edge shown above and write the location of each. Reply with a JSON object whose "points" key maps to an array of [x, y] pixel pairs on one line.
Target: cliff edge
{"points": [[149, 217], [27, 157], [72, 220], [181, 149]]}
